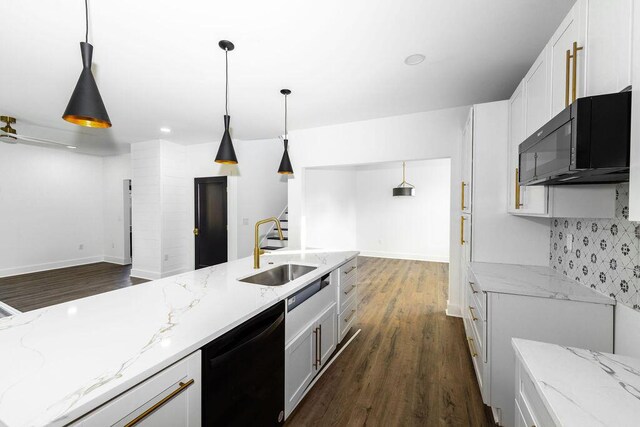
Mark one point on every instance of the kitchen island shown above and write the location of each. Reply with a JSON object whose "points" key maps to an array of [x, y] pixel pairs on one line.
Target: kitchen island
{"points": [[61, 362]]}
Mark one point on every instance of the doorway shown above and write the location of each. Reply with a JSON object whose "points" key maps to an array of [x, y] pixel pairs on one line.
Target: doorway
{"points": [[210, 230]]}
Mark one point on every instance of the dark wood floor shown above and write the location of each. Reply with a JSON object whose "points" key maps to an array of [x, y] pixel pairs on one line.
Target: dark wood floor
{"points": [[36, 290], [409, 366]]}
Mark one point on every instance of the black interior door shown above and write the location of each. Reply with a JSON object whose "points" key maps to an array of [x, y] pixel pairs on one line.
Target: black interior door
{"points": [[210, 221]]}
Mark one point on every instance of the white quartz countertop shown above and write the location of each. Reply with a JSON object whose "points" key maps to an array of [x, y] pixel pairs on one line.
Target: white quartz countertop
{"points": [[60, 362], [582, 387], [535, 281]]}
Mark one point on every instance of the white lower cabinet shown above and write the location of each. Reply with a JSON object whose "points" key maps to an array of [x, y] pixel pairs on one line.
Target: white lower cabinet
{"points": [[171, 398], [492, 319], [307, 354]]}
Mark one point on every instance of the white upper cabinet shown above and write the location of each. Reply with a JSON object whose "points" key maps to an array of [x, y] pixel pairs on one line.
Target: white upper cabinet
{"points": [[467, 164], [589, 54], [567, 69], [536, 101], [634, 171], [525, 200], [609, 54]]}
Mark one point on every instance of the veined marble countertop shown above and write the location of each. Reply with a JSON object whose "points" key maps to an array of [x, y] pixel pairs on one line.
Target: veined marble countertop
{"points": [[60, 362], [535, 281], [582, 387]]}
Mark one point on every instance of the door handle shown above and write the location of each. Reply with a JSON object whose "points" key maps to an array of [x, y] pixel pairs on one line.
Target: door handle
{"points": [[462, 241], [574, 83], [473, 316], [472, 347], [196, 231], [471, 286]]}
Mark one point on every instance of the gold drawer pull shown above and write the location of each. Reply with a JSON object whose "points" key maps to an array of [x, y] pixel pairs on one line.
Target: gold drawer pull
{"points": [[350, 290], [462, 204], [350, 270], [473, 317], [182, 387], [472, 347], [462, 241], [315, 337], [353, 313], [518, 204], [471, 286]]}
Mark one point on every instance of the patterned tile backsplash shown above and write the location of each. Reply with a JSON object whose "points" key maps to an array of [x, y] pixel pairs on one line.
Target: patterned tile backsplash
{"points": [[605, 253]]}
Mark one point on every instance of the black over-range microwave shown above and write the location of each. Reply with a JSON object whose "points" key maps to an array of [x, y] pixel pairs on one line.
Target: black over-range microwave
{"points": [[588, 142]]}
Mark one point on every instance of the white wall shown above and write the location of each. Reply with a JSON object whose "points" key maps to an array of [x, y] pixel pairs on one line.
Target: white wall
{"points": [[51, 202], [115, 170], [429, 135], [404, 227], [331, 208]]}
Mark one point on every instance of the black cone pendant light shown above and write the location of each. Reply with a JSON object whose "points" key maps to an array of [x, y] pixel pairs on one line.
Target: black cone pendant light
{"points": [[226, 154], [85, 107], [285, 164], [404, 189]]}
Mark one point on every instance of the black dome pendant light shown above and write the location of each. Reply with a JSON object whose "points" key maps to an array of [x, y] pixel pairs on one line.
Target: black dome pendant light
{"points": [[226, 154], [404, 189], [285, 164], [85, 107]]}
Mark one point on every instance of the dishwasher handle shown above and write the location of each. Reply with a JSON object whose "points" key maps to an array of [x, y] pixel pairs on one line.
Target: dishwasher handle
{"points": [[248, 340]]}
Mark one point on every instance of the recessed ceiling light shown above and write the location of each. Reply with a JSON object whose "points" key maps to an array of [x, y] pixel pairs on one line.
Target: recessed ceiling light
{"points": [[414, 59], [165, 130], [73, 147]]}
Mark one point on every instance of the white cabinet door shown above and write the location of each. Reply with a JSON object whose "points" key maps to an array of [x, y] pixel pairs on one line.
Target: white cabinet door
{"points": [[327, 334], [529, 105], [572, 29], [467, 164], [300, 366], [170, 398], [608, 48], [537, 95]]}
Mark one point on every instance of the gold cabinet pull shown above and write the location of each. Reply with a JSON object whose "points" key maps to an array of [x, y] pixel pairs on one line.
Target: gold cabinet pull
{"points": [[471, 286], [574, 83], [348, 319], [473, 317], [350, 290], [320, 345], [567, 78], [517, 189], [472, 347], [462, 241], [350, 270], [196, 231], [315, 337], [462, 204], [182, 387]]}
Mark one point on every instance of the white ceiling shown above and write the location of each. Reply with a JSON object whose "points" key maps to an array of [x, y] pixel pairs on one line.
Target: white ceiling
{"points": [[157, 63]]}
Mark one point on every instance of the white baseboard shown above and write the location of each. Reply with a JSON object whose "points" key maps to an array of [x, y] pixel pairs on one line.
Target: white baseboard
{"points": [[34, 268], [115, 260], [142, 274], [453, 310], [407, 256]]}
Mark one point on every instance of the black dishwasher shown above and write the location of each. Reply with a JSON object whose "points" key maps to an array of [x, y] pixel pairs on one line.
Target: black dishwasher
{"points": [[243, 373]]}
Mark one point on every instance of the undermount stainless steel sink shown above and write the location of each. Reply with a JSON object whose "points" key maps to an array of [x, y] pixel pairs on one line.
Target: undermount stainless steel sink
{"points": [[279, 275]]}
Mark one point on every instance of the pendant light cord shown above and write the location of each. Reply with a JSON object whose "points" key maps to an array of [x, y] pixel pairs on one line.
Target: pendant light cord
{"points": [[285, 117], [226, 93], [86, 21]]}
